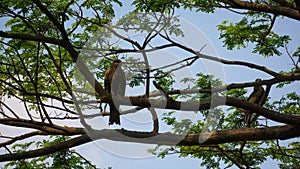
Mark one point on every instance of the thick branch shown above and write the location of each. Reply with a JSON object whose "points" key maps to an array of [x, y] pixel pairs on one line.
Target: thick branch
{"points": [[208, 104], [269, 114], [277, 10], [47, 150], [37, 38], [285, 3], [202, 139]]}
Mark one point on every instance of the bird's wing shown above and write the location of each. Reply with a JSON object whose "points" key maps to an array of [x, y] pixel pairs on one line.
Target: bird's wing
{"points": [[107, 80], [119, 82]]}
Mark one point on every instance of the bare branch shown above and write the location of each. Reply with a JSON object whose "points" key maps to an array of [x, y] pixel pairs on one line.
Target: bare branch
{"points": [[22, 137], [291, 58], [216, 59], [230, 158], [48, 128]]}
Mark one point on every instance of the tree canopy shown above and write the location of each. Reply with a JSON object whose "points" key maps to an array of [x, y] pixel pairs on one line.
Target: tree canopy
{"points": [[54, 55]]}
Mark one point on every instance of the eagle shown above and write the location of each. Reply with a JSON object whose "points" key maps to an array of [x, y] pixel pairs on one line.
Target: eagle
{"points": [[115, 84], [255, 97]]}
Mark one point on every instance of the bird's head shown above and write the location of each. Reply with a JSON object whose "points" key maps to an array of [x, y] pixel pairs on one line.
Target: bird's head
{"points": [[258, 80], [257, 85]]}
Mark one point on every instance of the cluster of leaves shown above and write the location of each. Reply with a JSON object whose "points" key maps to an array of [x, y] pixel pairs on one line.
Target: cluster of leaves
{"points": [[23, 63], [149, 23], [170, 5], [296, 60], [290, 104], [201, 81], [186, 125], [253, 28], [134, 70], [164, 79], [69, 159], [88, 25], [156, 5]]}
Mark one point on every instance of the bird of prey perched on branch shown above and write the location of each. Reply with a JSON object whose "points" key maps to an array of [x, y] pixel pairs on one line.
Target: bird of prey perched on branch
{"points": [[255, 97], [115, 84]]}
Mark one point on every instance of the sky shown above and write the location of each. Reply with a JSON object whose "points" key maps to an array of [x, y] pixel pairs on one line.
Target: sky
{"points": [[118, 155]]}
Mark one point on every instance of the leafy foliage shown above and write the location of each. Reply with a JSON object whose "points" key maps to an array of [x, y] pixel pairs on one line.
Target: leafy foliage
{"points": [[151, 22], [288, 104], [253, 28]]}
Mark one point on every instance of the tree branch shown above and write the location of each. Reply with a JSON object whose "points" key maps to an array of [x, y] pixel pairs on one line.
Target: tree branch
{"points": [[203, 139], [277, 10], [230, 158], [224, 61], [208, 104], [47, 150], [38, 38], [270, 82], [48, 128], [22, 137]]}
